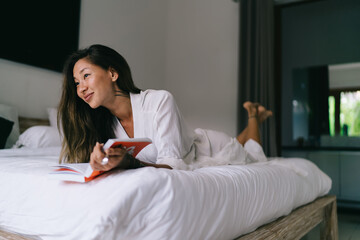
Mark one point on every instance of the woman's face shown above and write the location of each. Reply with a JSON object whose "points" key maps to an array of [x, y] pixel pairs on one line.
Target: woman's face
{"points": [[94, 84]]}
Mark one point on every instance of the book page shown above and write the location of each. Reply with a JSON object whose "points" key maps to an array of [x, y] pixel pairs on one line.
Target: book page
{"points": [[81, 168]]}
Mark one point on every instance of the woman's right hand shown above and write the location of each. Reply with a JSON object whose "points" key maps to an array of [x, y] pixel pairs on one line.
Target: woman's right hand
{"points": [[115, 157]]}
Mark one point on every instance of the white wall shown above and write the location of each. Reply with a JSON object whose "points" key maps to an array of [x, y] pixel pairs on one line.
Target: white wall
{"points": [[188, 47], [29, 89], [136, 29], [344, 75], [202, 61]]}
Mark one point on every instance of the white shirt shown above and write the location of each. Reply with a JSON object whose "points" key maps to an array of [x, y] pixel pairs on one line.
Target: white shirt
{"points": [[156, 116]]}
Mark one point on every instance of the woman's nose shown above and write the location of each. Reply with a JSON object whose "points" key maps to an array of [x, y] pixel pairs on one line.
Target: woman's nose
{"points": [[82, 87]]}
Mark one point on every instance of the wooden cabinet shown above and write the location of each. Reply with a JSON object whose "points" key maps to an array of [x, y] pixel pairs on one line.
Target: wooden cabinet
{"points": [[350, 176], [329, 163], [343, 167]]}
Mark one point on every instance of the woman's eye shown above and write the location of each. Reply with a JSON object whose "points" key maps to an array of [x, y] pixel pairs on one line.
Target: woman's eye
{"points": [[86, 75]]}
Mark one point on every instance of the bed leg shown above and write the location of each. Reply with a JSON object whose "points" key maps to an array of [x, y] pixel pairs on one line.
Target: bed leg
{"points": [[329, 226]]}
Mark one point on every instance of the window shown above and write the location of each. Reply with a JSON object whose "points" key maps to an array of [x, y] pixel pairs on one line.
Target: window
{"points": [[344, 112]]}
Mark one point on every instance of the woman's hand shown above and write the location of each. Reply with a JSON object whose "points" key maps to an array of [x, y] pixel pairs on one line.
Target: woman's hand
{"points": [[115, 156]]}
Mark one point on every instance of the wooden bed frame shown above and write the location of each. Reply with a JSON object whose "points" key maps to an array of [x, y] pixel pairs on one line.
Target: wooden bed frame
{"points": [[293, 226], [301, 221]]}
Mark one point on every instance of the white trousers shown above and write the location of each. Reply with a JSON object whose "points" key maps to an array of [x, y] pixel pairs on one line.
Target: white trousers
{"points": [[217, 148]]}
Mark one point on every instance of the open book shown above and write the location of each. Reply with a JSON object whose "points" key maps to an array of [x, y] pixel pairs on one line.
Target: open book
{"points": [[82, 172]]}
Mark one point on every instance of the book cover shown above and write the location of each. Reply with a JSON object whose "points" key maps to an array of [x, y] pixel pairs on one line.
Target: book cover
{"points": [[82, 172], [132, 145]]}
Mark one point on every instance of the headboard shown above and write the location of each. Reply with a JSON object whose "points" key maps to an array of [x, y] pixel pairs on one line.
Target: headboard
{"points": [[25, 123]]}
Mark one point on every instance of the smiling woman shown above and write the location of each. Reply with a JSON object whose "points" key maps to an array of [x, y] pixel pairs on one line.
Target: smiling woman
{"points": [[100, 101], [85, 69]]}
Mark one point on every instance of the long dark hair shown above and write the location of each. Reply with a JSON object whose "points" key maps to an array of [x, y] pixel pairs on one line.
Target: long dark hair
{"points": [[81, 125]]}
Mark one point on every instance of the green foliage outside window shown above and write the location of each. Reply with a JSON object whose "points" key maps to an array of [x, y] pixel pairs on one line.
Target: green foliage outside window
{"points": [[350, 113]]}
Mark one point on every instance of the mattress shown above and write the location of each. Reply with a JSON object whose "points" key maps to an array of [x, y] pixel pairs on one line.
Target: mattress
{"points": [[219, 202]]}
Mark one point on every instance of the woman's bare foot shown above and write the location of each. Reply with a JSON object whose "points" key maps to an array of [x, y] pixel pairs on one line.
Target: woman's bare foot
{"points": [[252, 129], [252, 109], [263, 113], [257, 111]]}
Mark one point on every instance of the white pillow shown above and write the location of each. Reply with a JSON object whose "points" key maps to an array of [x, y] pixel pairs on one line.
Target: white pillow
{"points": [[11, 114], [39, 137], [52, 114]]}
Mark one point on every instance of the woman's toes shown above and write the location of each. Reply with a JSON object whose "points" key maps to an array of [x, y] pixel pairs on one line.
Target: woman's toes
{"points": [[251, 109], [247, 105], [261, 109], [264, 115]]}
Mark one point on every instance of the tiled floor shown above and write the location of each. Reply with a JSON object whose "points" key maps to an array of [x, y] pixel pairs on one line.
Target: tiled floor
{"points": [[348, 223]]}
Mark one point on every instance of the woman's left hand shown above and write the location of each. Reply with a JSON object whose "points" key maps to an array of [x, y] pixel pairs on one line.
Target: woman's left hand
{"points": [[115, 157]]}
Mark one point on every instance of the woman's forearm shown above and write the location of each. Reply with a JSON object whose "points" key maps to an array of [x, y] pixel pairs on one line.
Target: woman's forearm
{"points": [[156, 165], [130, 162]]}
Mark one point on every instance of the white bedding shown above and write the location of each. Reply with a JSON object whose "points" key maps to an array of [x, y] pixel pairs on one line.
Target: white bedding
{"points": [[220, 202]]}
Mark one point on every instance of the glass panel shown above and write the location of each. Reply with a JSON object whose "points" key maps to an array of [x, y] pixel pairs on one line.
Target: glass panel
{"points": [[332, 115]]}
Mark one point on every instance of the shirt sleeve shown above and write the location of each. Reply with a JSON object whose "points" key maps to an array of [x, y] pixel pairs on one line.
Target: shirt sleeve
{"points": [[173, 140]]}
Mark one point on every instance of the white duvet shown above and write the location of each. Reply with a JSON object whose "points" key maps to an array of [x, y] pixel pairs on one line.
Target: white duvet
{"points": [[220, 202]]}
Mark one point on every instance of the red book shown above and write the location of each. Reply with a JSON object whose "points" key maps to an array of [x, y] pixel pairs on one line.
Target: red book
{"points": [[82, 172], [133, 145]]}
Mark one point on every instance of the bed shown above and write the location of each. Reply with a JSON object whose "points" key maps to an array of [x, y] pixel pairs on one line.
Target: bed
{"points": [[279, 199]]}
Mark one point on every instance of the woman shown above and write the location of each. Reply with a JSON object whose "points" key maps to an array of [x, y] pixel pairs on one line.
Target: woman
{"points": [[100, 101]]}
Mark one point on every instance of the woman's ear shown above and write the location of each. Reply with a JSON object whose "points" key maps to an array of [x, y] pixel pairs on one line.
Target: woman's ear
{"points": [[114, 74]]}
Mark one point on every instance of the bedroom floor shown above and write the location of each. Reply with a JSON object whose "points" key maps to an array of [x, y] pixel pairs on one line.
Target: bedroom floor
{"points": [[348, 223]]}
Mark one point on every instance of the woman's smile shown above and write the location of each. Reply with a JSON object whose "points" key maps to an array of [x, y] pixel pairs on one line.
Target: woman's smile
{"points": [[88, 96]]}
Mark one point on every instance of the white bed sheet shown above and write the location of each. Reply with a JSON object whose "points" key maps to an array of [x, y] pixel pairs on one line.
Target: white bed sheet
{"points": [[221, 202]]}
